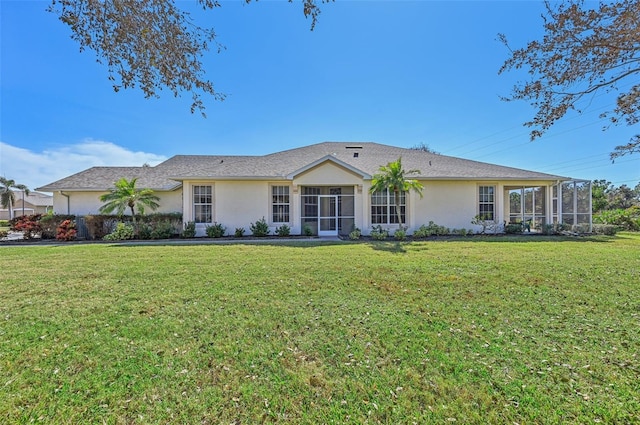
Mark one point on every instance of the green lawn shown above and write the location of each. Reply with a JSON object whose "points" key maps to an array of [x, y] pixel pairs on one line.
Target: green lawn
{"points": [[481, 330]]}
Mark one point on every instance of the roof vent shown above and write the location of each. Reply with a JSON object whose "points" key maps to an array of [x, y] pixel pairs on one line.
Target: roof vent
{"points": [[353, 147], [355, 154]]}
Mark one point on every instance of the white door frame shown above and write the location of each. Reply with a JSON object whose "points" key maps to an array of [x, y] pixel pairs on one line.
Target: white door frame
{"points": [[334, 216]]}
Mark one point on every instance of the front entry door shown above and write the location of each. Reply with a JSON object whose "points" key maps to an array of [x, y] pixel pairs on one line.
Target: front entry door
{"points": [[327, 215]]}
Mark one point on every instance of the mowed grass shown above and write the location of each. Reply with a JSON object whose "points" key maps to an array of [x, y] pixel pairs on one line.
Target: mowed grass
{"points": [[482, 330]]}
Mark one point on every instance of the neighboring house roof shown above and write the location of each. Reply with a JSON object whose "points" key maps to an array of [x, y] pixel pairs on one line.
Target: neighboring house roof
{"points": [[104, 178], [34, 198], [363, 158]]}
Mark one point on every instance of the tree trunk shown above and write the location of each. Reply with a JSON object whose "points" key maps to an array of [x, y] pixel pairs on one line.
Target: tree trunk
{"points": [[396, 195]]}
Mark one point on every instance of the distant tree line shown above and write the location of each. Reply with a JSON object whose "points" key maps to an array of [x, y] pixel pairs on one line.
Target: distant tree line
{"points": [[606, 196], [616, 205]]}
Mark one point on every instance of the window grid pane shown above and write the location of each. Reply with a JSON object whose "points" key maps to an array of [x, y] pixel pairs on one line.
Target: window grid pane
{"points": [[383, 209], [203, 204], [486, 202], [280, 204]]}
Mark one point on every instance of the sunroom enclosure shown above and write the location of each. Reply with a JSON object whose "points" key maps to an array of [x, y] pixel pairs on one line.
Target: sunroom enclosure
{"points": [[570, 204]]}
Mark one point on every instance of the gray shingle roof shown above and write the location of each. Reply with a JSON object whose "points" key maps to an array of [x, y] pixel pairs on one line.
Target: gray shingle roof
{"points": [[103, 178], [280, 165]]}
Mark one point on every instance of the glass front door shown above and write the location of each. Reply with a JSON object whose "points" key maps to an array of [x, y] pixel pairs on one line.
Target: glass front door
{"points": [[327, 215]]}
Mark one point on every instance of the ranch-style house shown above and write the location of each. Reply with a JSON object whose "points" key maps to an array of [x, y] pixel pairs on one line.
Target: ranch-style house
{"points": [[325, 187]]}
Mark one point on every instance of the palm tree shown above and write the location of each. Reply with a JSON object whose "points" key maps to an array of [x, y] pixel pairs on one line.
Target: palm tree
{"points": [[393, 177], [125, 194], [7, 197]]}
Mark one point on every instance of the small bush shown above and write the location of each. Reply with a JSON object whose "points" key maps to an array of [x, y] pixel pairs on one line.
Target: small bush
{"points": [[581, 228], [283, 230], [512, 228], [29, 225], [431, 229], [379, 234], [49, 224], [260, 228], [547, 229], [162, 230], [307, 230], [189, 230], [239, 232], [4, 223], [400, 234], [355, 234], [143, 230], [421, 232], [122, 232], [66, 231], [3, 234], [487, 225], [216, 231], [605, 229]]}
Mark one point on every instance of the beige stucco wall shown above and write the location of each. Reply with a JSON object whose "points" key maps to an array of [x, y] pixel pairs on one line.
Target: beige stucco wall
{"points": [[235, 203], [86, 203], [447, 203], [327, 174]]}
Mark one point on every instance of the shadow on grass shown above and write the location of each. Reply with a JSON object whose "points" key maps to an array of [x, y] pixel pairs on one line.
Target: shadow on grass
{"points": [[396, 247]]}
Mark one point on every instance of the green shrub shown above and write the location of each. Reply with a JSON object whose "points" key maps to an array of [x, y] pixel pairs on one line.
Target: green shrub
{"points": [[162, 230], [217, 230], [239, 232], [581, 228], [283, 230], [378, 233], [189, 230], [400, 234], [307, 230], [432, 229], [512, 228], [4, 223], [143, 230], [260, 228], [605, 229], [355, 234], [3, 234], [627, 219], [421, 232], [547, 229], [122, 232]]}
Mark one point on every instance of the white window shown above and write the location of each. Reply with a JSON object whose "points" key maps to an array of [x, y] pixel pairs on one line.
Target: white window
{"points": [[383, 208], [202, 204], [486, 202], [280, 204]]}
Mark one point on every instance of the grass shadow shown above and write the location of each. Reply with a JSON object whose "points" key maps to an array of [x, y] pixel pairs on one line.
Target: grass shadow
{"points": [[396, 247]]}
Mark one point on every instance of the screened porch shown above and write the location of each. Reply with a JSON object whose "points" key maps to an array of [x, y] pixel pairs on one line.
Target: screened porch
{"points": [[532, 207]]}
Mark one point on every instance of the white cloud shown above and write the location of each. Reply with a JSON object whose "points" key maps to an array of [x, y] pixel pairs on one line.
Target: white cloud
{"points": [[35, 169]]}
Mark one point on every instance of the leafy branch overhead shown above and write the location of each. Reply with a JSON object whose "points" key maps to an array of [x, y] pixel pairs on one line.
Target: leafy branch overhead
{"points": [[583, 53], [150, 44]]}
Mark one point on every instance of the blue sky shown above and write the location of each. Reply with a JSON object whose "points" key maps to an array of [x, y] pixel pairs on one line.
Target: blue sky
{"points": [[392, 72]]}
